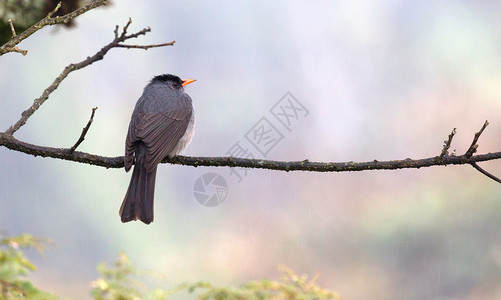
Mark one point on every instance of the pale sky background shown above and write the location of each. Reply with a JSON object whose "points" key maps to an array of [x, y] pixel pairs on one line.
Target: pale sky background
{"points": [[381, 80]]}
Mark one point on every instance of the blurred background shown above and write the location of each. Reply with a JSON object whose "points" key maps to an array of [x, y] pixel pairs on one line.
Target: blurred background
{"points": [[386, 80]]}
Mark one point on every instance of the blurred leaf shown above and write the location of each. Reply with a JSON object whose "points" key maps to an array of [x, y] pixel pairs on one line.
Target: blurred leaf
{"points": [[14, 267], [116, 282]]}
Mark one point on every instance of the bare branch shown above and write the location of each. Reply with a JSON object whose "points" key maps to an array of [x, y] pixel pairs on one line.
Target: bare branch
{"points": [[84, 131], [485, 172], [474, 146], [10, 46], [70, 68], [447, 144], [12, 143]]}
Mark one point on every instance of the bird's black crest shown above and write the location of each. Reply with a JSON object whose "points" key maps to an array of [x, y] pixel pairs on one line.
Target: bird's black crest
{"points": [[167, 77]]}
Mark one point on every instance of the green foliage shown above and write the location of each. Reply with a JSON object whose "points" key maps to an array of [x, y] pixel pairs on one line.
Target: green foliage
{"points": [[116, 282], [119, 281], [14, 268], [291, 286]]}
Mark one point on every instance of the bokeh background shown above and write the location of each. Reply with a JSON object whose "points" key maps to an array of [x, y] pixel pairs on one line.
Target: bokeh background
{"points": [[381, 80]]}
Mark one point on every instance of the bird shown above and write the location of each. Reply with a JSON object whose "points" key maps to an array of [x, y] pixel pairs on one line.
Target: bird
{"points": [[161, 125]]}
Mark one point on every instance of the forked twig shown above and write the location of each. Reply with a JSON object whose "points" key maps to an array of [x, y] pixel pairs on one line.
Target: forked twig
{"points": [[447, 144], [474, 146]]}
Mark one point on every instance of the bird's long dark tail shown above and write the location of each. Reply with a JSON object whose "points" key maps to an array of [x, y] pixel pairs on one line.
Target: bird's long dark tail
{"points": [[138, 202]]}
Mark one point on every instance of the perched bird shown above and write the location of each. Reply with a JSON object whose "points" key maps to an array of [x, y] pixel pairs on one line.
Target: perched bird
{"points": [[161, 125]]}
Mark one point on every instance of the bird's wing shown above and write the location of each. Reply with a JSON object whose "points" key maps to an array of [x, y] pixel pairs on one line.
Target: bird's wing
{"points": [[159, 131], [130, 145]]}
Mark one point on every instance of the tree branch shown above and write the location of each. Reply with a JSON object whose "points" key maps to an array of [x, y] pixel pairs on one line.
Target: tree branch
{"points": [[305, 165], [73, 67], [12, 143], [10, 46]]}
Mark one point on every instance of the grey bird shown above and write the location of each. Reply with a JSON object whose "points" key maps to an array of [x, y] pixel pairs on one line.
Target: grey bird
{"points": [[161, 125]]}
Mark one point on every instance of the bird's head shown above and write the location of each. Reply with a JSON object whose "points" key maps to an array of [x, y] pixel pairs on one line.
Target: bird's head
{"points": [[173, 81]]}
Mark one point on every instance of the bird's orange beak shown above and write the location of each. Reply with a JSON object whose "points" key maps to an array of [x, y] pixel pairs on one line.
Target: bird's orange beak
{"points": [[187, 81]]}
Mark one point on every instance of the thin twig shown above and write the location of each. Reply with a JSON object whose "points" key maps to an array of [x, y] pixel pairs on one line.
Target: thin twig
{"points": [[124, 31], [146, 47], [485, 172], [16, 49], [474, 146], [447, 144], [73, 67], [116, 31], [84, 131], [12, 28], [58, 6], [135, 35]]}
